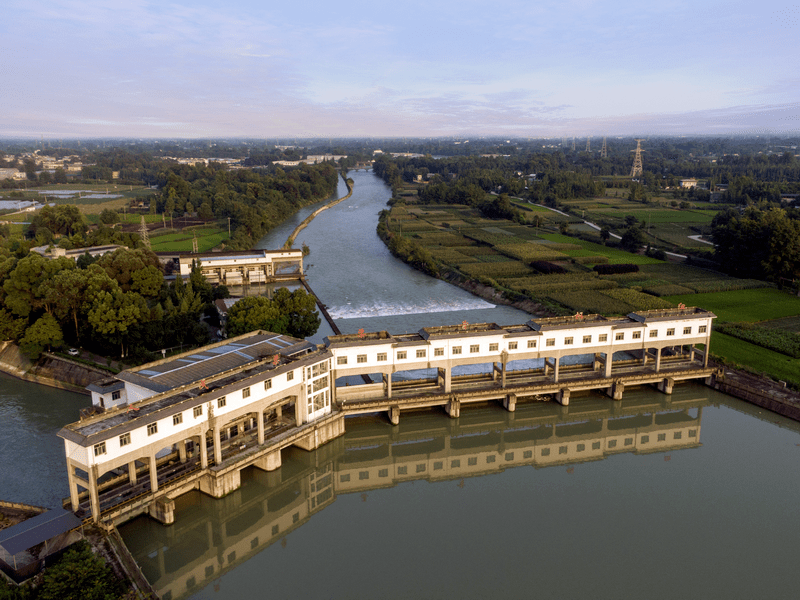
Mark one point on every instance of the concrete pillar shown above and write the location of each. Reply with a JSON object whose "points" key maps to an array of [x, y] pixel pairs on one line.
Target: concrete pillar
{"points": [[153, 474], [217, 446], [394, 415], [707, 351], [203, 451], [616, 390], [94, 496], [444, 379], [279, 412], [297, 418], [73, 485], [260, 421], [503, 374], [182, 451], [596, 362], [666, 385], [658, 359], [387, 384], [555, 369], [510, 402], [609, 363], [563, 397], [132, 472], [454, 408], [270, 461]]}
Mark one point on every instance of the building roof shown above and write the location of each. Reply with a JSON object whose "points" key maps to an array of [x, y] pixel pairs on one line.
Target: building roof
{"points": [[37, 529]]}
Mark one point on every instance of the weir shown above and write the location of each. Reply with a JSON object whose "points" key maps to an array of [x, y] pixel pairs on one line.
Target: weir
{"points": [[195, 421]]}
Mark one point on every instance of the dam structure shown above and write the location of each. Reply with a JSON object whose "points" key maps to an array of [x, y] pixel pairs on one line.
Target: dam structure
{"points": [[196, 420]]}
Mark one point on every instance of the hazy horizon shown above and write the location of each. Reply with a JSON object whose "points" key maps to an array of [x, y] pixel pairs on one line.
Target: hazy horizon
{"points": [[95, 69]]}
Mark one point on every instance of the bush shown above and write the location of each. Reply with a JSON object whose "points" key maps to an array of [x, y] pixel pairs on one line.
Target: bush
{"points": [[547, 268], [615, 269]]}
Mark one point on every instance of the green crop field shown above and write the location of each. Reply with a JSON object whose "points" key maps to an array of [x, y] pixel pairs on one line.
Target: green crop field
{"points": [[207, 238], [589, 248], [761, 360], [744, 305]]}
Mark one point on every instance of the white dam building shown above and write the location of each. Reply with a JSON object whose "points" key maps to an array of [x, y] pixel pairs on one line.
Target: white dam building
{"points": [[194, 421]]}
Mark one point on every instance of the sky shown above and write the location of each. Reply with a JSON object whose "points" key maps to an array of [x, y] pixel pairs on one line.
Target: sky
{"points": [[264, 69]]}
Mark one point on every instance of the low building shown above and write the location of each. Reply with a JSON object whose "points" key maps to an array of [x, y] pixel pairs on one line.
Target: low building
{"points": [[246, 266]]}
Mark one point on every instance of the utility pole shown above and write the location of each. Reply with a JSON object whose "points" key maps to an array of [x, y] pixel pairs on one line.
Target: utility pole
{"points": [[636, 170], [229, 227]]}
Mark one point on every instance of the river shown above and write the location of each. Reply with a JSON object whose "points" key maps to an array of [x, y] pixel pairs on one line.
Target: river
{"points": [[688, 495]]}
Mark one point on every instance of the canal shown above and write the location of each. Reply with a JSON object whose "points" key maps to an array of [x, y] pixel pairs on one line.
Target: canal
{"points": [[688, 495]]}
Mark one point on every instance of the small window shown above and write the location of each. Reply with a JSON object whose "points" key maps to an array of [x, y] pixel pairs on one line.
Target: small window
{"points": [[124, 439], [116, 395], [595, 445], [268, 384], [474, 348], [383, 473], [581, 447], [545, 451], [455, 464], [382, 356], [456, 349], [662, 437], [362, 475], [551, 342], [568, 341], [628, 441], [177, 419], [677, 435], [654, 333], [344, 478], [670, 332], [645, 439], [421, 468], [438, 351], [494, 347], [341, 360], [152, 429], [246, 392], [491, 458], [687, 331], [402, 470], [277, 528], [290, 376], [693, 433], [637, 335], [562, 449], [612, 443], [99, 448], [531, 343], [619, 336], [587, 339], [509, 456], [472, 461], [527, 454], [198, 411], [702, 329], [361, 358], [603, 337], [512, 345], [438, 465], [402, 355], [420, 353], [221, 402]]}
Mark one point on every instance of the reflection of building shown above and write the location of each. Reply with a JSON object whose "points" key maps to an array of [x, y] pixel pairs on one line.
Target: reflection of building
{"points": [[207, 542], [248, 266]]}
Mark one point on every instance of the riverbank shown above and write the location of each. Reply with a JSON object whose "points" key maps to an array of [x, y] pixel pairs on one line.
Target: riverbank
{"points": [[50, 370], [309, 218]]}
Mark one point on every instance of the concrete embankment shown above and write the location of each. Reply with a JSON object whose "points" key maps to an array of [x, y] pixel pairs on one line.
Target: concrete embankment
{"points": [[760, 391], [309, 218], [50, 370]]}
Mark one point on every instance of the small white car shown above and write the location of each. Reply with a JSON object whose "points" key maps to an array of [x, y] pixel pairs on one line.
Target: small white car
{"points": [[73, 352]]}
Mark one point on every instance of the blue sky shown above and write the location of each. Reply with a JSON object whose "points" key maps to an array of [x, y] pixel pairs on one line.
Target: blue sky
{"points": [[351, 68]]}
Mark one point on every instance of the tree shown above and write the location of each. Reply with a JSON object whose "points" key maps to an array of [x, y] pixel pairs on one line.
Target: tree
{"points": [[301, 309], [45, 332], [79, 575], [109, 216], [253, 313], [605, 234], [632, 240]]}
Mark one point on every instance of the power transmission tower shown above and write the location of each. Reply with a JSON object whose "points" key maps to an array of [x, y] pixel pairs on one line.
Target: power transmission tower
{"points": [[143, 233], [573, 143], [604, 149], [589, 144], [636, 170]]}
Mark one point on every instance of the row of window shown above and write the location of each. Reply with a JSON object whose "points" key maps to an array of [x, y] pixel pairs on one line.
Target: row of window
{"points": [[475, 348]]}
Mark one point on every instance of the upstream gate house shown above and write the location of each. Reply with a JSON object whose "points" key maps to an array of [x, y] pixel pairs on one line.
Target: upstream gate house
{"points": [[196, 420]]}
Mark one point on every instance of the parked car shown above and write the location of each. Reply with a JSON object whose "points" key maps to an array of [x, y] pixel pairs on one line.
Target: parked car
{"points": [[73, 352]]}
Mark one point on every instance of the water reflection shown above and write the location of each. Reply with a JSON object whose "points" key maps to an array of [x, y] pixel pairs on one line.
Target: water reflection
{"points": [[210, 537]]}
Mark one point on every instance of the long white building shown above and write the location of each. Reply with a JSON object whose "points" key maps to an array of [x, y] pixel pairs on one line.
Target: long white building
{"points": [[217, 409]]}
